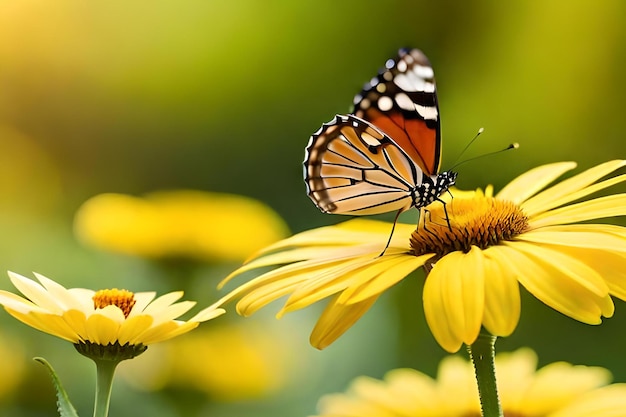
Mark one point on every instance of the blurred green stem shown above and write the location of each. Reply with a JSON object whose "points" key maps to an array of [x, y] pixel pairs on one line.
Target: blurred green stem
{"points": [[105, 370], [482, 353]]}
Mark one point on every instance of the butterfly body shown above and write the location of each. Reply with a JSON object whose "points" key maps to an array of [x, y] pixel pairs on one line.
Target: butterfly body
{"points": [[385, 156]]}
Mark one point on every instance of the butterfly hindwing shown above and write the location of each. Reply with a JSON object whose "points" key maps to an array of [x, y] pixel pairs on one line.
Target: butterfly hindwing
{"points": [[402, 102], [351, 167]]}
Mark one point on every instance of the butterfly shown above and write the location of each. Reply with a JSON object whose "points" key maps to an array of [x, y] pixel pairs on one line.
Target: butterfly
{"points": [[385, 156]]}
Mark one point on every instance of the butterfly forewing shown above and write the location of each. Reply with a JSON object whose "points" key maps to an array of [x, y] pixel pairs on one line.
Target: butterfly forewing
{"points": [[351, 167], [402, 102]]}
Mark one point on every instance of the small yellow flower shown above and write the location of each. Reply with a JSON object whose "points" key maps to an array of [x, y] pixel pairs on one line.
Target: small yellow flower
{"points": [[106, 318], [183, 224], [474, 267], [556, 390]]}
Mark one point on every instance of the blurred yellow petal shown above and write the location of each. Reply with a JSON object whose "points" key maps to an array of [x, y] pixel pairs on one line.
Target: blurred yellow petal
{"points": [[609, 401], [556, 390], [558, 384], [178, 224]]}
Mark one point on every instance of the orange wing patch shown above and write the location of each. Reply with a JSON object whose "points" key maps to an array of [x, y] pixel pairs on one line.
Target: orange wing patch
{"points": [[414, 137]]}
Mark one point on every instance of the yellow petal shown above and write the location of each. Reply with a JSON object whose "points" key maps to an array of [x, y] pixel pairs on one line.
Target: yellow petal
{"points": [[132, 327], [581, 237], [603, 207], [35, 292], [515, 372], [47, 323], [17, 303], [558, 384], [166, 331], [454, 299], [64, 298], [208, 313], [77, 321], [315, 255], [173, 311], [412, 391], [530, 182], [609, 401], [502, 297], [142, 299], [330, 281], [610, 266], [163, 302], [153, 333], [275, 284], [559, 281], [262, 296], [573, 188], [336, 319], [101, 329], [387, 274], [356, 231], [339, 405]]}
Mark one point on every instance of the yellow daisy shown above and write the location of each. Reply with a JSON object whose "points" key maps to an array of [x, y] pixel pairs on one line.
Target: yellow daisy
{"points": [[107, 321], [556, 390], [521, 235]]}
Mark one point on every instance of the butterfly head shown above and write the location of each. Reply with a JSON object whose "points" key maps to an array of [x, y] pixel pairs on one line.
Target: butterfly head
{"points": [[446, 180]]}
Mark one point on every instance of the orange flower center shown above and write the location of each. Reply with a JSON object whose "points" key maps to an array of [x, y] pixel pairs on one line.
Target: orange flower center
{"points": [[123, 299], [478, 221]]}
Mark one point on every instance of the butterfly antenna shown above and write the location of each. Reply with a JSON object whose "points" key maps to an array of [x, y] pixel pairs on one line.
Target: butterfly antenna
{"points": [[480, 131], [391, 234], [509, 147]]}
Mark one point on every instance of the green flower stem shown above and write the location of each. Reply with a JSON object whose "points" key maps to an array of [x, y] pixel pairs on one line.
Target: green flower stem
{"points": [[482, 353], [105, 370]]}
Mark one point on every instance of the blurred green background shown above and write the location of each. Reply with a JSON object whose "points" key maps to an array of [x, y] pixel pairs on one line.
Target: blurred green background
{"points": [[133, 97]]}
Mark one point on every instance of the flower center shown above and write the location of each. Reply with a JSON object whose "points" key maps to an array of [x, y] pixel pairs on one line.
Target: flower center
{"points": [[123, 299], [479, 221]]}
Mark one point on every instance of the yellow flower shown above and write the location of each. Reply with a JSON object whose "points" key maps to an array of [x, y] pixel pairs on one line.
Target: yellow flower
{"points": [[106, 318], [179, 224], [474, 267], [556, 390]]}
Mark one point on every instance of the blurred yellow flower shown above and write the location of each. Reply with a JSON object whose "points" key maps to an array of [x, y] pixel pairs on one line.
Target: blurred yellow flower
{"points": [[12, 364], [179, 224], [106, 318], [519, 236], [556, 390], [232, 362]]}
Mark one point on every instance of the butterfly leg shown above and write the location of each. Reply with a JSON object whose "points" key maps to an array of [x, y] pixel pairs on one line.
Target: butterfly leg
{"points": [[445, 211], [395, 220], [427, 214]]}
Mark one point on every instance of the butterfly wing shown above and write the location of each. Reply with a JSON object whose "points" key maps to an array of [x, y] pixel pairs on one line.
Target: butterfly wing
{"points": [[351, 167], [402, 102]]}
